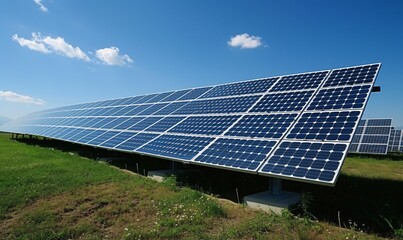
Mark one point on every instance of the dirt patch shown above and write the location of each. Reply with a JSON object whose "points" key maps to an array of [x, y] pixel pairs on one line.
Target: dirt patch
{"points": [[108, 207]]}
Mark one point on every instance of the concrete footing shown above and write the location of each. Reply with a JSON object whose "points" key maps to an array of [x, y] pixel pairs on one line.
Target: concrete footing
{"points": [[269, 202], [160, 175]]}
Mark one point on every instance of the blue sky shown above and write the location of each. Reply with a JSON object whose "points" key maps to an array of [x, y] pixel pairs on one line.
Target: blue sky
{"points": [[56, 53]]}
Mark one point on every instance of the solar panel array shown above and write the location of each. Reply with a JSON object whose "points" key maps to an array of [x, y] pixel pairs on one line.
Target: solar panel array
{"points": [[396, 141], [296, 127], [372, 136]]}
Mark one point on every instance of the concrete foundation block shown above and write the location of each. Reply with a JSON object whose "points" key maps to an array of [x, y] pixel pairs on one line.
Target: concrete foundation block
{"points": [[160, 175], [268, 202]]}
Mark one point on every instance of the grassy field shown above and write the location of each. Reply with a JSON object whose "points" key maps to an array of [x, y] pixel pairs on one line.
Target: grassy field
{"points": [[368, 167], [50, 194]]}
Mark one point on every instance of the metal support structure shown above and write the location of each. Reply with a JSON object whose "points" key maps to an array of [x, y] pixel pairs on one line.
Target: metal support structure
{"points": [[276, 186], [376, 89], [173, 167]]}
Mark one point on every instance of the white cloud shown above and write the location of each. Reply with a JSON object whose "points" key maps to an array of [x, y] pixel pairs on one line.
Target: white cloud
{"points": [[41, 6], [61, 47], [110, 56], [33, 44], [245, 41], [15, 97], [48, 44]]}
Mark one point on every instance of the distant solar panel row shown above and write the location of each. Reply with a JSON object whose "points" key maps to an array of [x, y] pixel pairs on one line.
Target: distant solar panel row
{"points": [[372, 136], [296, 127], [396, 141]]}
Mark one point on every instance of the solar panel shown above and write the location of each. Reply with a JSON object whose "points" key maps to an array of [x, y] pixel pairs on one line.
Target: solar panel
{"points": [[296, 127], [205, 125], [372, 136], [179, 147], [395, 140], [236, 153], [248, 87]]}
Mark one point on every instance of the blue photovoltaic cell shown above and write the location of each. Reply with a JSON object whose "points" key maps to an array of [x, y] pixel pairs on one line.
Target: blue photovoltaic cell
{"points": [[90, 136], [352, 75], [372, 136], [378, 130], [106, 111], [164, 124], [115, 122], [159, 97], [133, 100], [103, 122], [325, 126], [71, 132], [312, 161], [62, 122], [375, 139], [379, 122], [102, 138], [179, 147], [116, 102], [224, 105], [76, 121], [281, 102], [136, 141], [53, 131], [89, 112], [195, 93], [373, 148], [359, 130], [36, 129], [116, 111], [129, 110], [154, 98], [356, 138], [138, 109], [92, 105], [247, 87], [236, 153], [153, 109], [172, 107], [123, 110], [118, 139], [64, 134], [48, 133], [175, 96], [128, 123], [73, 113], [97, 112], [60, 133], [353, 147], [77, 135], [340, 98], [91, 121], [145, 123], [300, 81], [147, 98], [395, 140], [263, 126], [207, 125]]}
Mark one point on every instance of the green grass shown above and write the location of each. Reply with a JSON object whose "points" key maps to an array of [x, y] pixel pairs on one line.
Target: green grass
{"points": [[49, 194], [30, 172], [371, 167]]}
